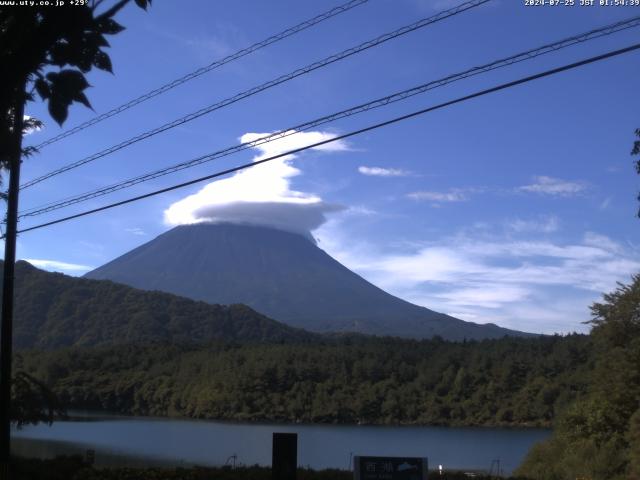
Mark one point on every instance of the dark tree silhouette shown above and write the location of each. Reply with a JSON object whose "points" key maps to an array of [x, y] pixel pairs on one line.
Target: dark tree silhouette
{"points": [[38, 40], [636, 151], [32, 401], [43, 49]]}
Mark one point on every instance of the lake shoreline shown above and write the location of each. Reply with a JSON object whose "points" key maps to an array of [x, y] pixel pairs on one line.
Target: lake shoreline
{"points": [[90, 414], [120, 439], [74, 467]]}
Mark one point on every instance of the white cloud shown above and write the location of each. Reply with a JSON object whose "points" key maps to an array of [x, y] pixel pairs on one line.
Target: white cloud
{"points": [[39, 126], [538, 286], [261, 195], [211, 45], [135, 231], [466, 261], [361, 210], [57, 266], [454, 195], [544, 224], [382, 172], [544, 185], [485, 296], [605, 204], [603, 242], [205, 45]]}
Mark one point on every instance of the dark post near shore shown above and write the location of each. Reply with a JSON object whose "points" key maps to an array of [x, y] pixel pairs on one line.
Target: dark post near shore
{"points": [[284, 458]]}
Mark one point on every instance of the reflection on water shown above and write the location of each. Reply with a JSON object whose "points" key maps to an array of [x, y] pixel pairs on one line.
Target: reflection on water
{"points": [[38, 448], [135, 441]]}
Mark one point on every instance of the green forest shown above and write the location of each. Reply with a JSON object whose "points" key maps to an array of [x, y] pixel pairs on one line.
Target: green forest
{"points": [[586, 386], [598, 435], [342, 380], [53, 310]]}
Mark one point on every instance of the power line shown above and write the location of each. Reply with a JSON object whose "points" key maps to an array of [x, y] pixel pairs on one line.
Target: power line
{"points": [[480, 93], [530, 54], [212, 66], [395, 97], [272, 83]]}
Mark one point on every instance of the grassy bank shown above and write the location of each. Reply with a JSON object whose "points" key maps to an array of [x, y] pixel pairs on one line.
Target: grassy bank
{"points": [[73, 468]]}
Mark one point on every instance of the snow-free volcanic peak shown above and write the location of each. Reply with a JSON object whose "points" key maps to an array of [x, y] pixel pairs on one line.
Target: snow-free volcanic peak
{"points": [[281, 274]]}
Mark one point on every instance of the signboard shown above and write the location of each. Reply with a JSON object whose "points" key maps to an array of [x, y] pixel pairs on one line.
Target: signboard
{"points": [[389, 468]]}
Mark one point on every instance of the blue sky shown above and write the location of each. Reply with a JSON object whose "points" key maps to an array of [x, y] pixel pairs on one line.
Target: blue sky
{"points": [[517, 208]]}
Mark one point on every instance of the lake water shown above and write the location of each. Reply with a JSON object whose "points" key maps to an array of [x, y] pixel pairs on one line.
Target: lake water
{"points": [[153, 441]]}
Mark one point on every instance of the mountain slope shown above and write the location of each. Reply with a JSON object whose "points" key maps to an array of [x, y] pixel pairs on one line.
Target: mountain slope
{"points": [[54, 310], [283, 275]]}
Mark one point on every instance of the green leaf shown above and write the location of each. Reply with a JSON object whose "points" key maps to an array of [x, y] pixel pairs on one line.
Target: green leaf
{"points": [[142, 3], [66, 87], [102, 61], [84, 61], [42, 87], [58, 110], [97, 39], [67, 82], [109, 26], [82, 98], [59, 53]]}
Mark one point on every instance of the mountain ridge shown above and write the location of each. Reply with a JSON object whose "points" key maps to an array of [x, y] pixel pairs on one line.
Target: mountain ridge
{"points": [[53, 310], [282, 275]]}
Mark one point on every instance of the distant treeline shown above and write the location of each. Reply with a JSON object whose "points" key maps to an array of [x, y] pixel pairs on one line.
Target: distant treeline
{"points": [[512, 381]]}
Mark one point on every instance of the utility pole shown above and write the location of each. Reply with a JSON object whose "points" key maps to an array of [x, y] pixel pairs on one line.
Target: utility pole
{"points": [[6, 326]]}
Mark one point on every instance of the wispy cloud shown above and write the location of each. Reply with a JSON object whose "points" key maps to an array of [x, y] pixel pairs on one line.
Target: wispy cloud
{"points": [[544, 185], [605, 204], [603, 242], [135, 231], [544, 224], [206, 45], [540, 286], [454, 195], [485, 296], [57, 266], [383, 172], [212, 45]]}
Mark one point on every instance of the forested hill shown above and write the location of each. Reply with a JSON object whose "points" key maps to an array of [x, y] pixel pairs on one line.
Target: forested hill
{"points": [[340, 380], [598, 435], [53, 310]]}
